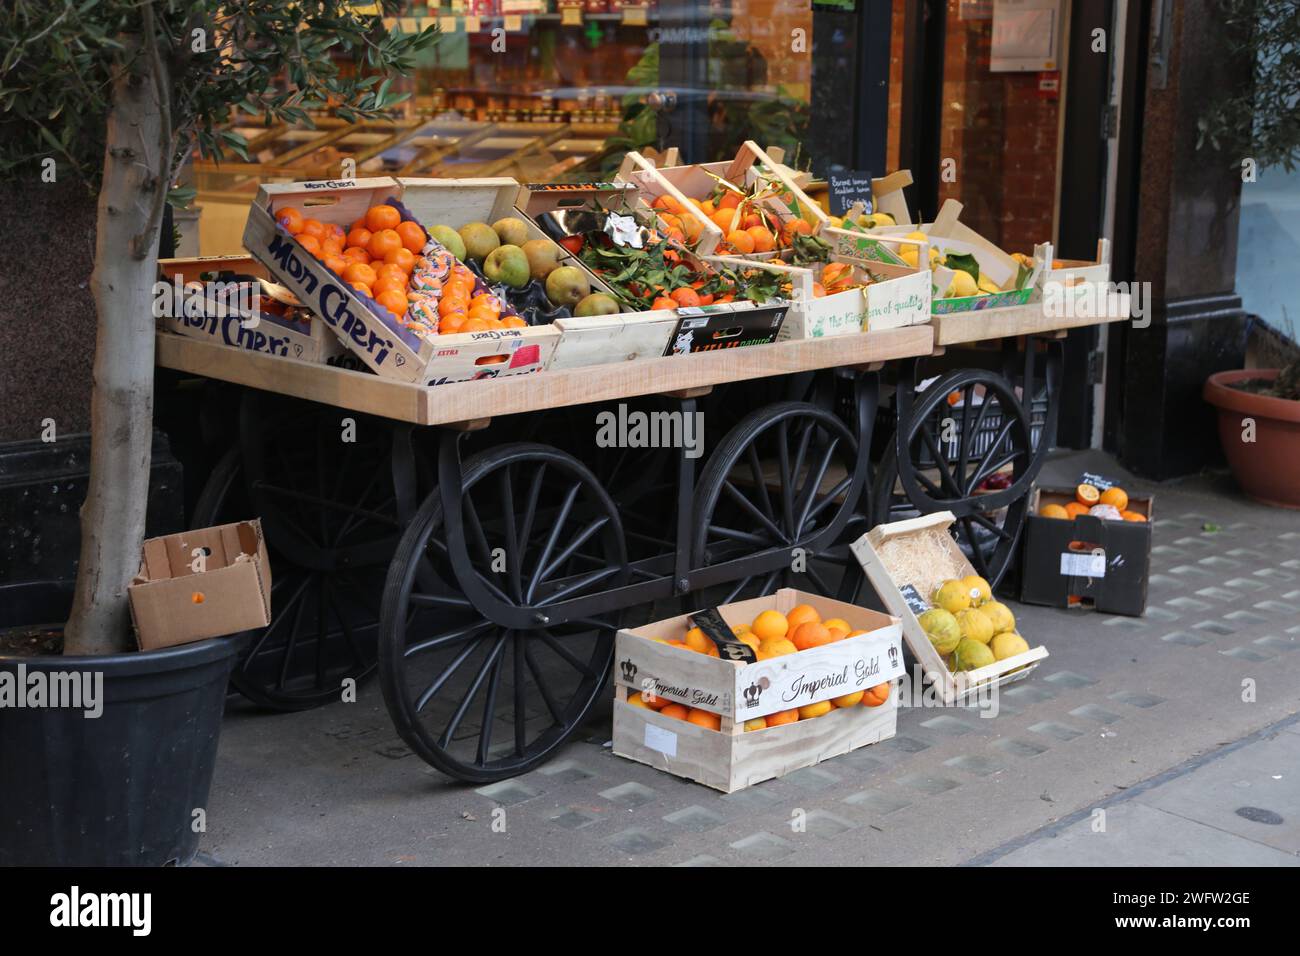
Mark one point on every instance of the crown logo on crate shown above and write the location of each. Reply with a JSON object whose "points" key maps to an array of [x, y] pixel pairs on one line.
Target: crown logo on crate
{"points": [[752, 693], [628, 669], [893, 653]]}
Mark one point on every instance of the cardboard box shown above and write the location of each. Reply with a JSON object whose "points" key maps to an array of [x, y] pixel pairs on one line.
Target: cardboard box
{"points": [[1103, 563], [199, 584], [732, 758], [387, 347], [905, 595]]}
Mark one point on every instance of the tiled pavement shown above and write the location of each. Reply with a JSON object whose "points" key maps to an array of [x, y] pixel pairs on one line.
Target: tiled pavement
{"points": [[1119, 701]]}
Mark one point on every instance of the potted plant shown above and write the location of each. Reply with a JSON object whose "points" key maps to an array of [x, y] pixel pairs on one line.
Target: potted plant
{"points": [[113, 97], [1259, 409]]}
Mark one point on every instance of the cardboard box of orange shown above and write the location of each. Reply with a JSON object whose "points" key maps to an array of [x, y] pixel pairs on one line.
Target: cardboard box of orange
{"points": [[199, 584], [685, 685]]}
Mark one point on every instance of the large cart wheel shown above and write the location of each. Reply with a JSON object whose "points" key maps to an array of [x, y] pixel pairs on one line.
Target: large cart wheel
{"points": [[787, 477], [329, 517], [952, 438], [477, 700]]}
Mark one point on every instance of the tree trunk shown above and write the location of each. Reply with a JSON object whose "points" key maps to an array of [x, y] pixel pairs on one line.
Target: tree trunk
{"points": [[113, 516]]}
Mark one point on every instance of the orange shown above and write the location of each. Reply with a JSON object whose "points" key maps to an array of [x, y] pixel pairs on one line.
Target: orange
{"points": [[356, 254], [663, 302], [634, 699], [802, 614], [756, 723], [764, 241], [770, 625], [750, 219], [809, 711], [336, 264], [310, 243], [666, 203], [685, 297], [514, 322], [313, 227], [698, 642], [1053, 511], [403, 258], [331, 246], [334, 231], [477, 325], [382, 217], [363, 288], [653, 700], [452, 323], [392, 300], [791, 227], [383, 242], [849, 700], [705, 206], [1132, 516], [677, 711], [1087, 495], [724, 217], [1074, 509], [703, 718], [412, 236], [387, 282], [290, 219], [1115, 496], [837, 274], [359, 237], [776, 647], [729, 200], [811, 634], [741, 241], [838, 624], [360, 272], [781, 717], [877, 695]]}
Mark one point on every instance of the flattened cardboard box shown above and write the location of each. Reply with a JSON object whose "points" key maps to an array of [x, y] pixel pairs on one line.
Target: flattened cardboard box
{"points": [[199, 584]]}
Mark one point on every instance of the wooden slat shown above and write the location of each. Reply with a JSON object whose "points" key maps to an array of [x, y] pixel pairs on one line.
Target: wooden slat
{"points": [[463, 401], [1028, 319]]}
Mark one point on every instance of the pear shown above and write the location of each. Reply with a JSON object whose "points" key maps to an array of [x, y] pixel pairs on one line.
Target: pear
{"points": [[511, 231], [543, 257], [567, 285], [598, 303], [450, 239], [480, 239], [507, 264]]}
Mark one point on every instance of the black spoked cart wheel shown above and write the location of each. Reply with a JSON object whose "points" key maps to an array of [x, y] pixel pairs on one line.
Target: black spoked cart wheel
{"points": [[965, 444], [478, 698], [787, 477], [323, 488]]}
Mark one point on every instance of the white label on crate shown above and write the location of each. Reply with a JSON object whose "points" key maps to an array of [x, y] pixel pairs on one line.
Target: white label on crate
{"points": [[664, 741], [1078, 565]]}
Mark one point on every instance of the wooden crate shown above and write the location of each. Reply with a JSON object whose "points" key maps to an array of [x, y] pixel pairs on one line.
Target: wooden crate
{"points": [[888, 580], [1072, 272], [369, 330], [901, 297], [684, 183], [731, 758], [270, 335]]}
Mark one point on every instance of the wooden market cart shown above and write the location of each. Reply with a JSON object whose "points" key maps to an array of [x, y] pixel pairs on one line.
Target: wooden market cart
{"points": [[478, 545]]}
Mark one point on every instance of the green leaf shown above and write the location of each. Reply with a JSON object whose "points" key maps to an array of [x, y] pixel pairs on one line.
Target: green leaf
{"points": [[964, 262]]}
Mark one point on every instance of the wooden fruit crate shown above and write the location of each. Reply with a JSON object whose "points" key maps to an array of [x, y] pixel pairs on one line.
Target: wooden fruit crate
{"points": [[681, 182], [901, 297], [878, 551], [270, 334], [731, 758]]}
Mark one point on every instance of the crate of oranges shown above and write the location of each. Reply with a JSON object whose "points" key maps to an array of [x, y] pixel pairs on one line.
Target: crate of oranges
{"points": [[787, 681], [1088, 546], [354, 253], [745, 206]]}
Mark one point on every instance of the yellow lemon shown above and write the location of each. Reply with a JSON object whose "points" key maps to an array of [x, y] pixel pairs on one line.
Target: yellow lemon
{"points": [[975, 625], [1000, 615], [952, 596], [1008, 645], [815, 710], [849, 700]]}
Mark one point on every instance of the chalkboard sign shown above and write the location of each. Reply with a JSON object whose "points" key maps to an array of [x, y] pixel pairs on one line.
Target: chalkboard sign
{"points": [[1100, 482], [915, 603], [848, 186]]}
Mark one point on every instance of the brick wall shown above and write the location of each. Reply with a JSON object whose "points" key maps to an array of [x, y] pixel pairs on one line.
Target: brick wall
{"points": [[996, 127]]}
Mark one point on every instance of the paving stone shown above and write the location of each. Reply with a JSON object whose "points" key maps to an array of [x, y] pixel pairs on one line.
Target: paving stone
{"points": [[695, 818], [1245, 617], [1277, 607], [1029, 693], [1160, 614], [908, 745], [1246, 654], [1158, 582], [877, 801], [1272, 574], [1190, 571], [630, 794], [1218, 594], [701, 860], [976, 764], [1188, 604], [1131, 623], [758, 797], [763, 846], [1017, 747], [811, 778], [637, 842], [1069, 679], [1094, 713], [1145, 701], [508, 792], [1246, 553], [928, 783], [860, 760], [948, 726], [572, 818], [1214, 627], [1218, 563], [1185, 638], [1193, 543], [824, 824], [1277, 643], [566, 771], [1246, 584], [1053, 729]]}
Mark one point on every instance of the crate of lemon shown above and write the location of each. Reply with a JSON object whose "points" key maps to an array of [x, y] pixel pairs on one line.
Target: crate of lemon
{"points": [[963, 640], [821, 684]]}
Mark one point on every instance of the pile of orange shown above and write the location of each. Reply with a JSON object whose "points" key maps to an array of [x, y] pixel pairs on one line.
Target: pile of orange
{"points": [[771, 634], [461, 310], [1105, 503], [743, 228], [375, 255]]}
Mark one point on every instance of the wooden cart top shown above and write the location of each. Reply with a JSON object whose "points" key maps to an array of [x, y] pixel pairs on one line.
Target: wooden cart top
{"points": [[464, 403], [1029, 319]]}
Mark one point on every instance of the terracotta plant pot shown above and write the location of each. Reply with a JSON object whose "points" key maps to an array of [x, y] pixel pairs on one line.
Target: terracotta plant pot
{"points": [[1268, 469]]}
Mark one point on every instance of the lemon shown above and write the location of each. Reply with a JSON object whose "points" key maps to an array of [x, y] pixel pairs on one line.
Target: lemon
{"points": [[911, 255], [882, 219], [963, 284], [755, 723], [975, 625], [952, 596], [1008, 645], [918, 236], [941, 628], [980, 592], [777, 647], [1001, 616], [988, 286]]}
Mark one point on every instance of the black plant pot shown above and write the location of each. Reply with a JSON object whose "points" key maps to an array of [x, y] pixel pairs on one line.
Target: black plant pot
{"points": [[119, 789]]}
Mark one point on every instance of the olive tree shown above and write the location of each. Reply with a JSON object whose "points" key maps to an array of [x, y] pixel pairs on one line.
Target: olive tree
{"points": [[113, 96]]}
